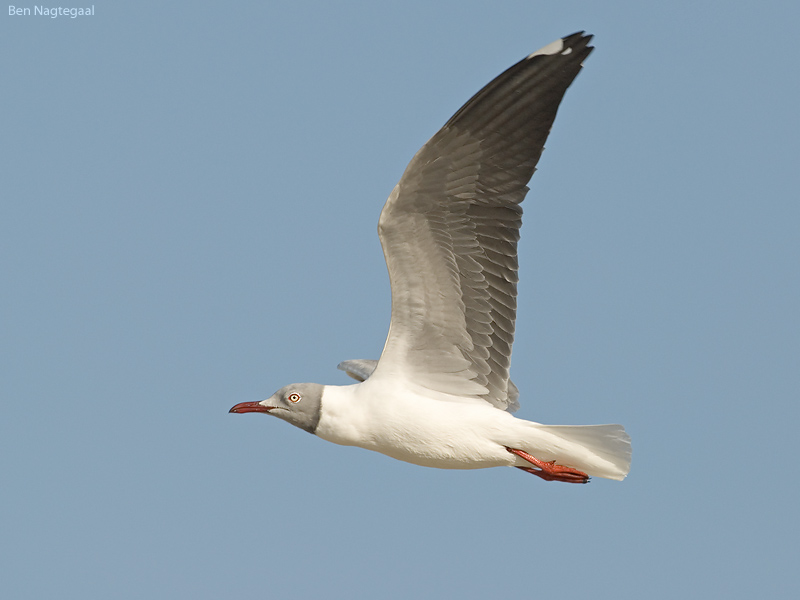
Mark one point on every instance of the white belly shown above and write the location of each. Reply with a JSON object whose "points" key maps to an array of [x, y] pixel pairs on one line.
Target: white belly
{"points": [[417, 429]]}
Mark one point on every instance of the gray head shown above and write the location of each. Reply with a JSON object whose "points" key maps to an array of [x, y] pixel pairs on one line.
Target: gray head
{"points": [[298, 404]]}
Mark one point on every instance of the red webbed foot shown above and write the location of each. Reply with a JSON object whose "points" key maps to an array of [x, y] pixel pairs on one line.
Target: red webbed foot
{"points": [[549, 470]]}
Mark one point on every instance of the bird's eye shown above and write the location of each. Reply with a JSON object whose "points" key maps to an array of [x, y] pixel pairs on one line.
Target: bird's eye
{"points": [[294, 397]]}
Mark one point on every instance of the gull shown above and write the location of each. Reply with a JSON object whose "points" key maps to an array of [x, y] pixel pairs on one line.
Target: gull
{"points": [[440, 395]]}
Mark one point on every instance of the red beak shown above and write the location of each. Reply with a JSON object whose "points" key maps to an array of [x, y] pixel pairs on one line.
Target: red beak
{"points": [[246, 407]]}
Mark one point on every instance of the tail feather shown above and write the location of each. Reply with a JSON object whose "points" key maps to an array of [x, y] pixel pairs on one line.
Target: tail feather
{"points": [[610, 443]]}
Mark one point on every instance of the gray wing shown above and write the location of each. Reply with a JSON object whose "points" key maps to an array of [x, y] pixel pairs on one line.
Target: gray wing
{"points": [[449, 230], [359, 369]]}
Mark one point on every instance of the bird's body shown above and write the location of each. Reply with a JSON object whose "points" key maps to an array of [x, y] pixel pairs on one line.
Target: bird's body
{"points": [[449, 432], [440, 395]]}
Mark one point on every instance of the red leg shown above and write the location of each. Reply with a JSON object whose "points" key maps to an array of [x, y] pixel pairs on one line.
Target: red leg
{"points": [[550, 471]]}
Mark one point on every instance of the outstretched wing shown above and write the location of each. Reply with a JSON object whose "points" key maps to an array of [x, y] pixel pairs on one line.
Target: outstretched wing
{"points": [[359, 368], [449, 230]]}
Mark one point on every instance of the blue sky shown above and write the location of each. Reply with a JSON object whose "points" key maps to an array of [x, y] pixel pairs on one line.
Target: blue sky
{"points": [[188, 221]]}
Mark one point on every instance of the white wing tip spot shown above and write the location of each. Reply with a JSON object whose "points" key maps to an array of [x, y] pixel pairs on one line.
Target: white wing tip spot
{"points": [[551, 48]]}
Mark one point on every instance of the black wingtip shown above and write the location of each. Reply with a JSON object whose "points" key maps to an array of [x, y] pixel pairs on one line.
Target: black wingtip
{"points": [[577, 36], [578, 40], [570, 48]]}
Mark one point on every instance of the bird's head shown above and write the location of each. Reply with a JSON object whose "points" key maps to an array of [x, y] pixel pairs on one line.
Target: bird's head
{"points": [[299, 404]]}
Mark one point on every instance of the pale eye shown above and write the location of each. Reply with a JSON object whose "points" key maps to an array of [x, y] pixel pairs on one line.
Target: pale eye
{"points": [[294, 397]]}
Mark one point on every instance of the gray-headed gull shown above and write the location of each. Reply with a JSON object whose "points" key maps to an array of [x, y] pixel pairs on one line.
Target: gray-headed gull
{"points": [[440, 395]]}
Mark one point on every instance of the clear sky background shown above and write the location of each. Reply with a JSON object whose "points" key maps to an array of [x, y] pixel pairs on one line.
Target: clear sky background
{"points": [[188, 211]]}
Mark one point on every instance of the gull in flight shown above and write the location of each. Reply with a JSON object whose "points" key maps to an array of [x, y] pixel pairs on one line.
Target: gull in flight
{"points": [[440, 395]]}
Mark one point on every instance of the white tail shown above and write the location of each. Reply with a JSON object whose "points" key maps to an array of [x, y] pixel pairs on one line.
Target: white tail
{"points": [[600, 450]]}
